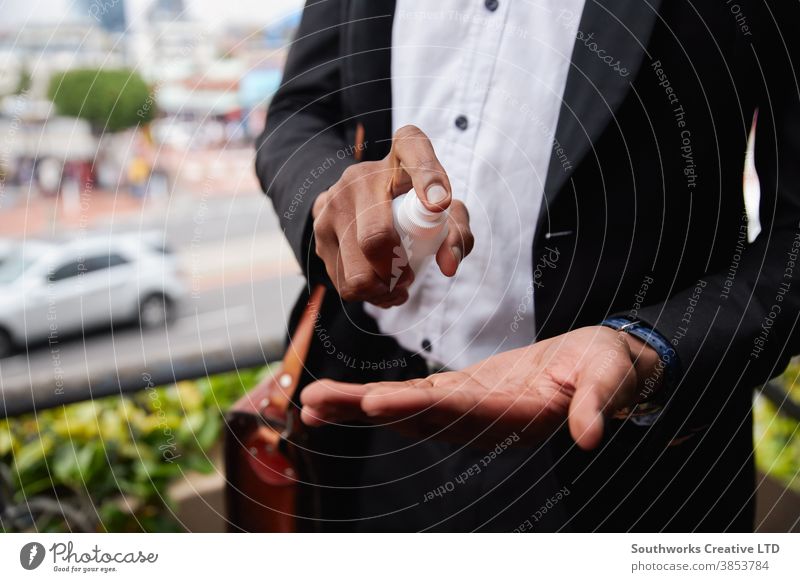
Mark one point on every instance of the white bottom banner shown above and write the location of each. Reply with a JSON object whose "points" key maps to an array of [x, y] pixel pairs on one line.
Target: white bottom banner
{"points": [[397, 557]]}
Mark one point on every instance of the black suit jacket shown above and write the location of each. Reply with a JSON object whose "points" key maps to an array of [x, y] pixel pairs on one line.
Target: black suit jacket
{"points": [[644, 203]]}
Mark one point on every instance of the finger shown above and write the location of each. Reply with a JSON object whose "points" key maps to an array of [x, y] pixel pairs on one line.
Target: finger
{"points": [[449, 399], [395, 298], [601, 388], [452, 412], [315, 417], [377, 238], [319, 204], [397, 400], [420, 411], [397, 286], [332, 415], [459, 241], [415, 165], [586, 423], [325, 239], [359, 281], [327, 401], [395, 294], [330, 401], [332, 393]]}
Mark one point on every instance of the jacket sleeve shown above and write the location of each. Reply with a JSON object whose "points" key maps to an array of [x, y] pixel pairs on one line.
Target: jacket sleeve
{"points": [[303, 149], [736, 329]]}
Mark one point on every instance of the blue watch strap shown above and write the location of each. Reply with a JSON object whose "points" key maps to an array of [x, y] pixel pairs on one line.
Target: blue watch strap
{"points": [[666, 353]]}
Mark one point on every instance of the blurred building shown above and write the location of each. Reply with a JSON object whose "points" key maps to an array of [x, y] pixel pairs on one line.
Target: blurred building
{"points": [[211, 83], [41, 50], [164, 10], [108, 14]]}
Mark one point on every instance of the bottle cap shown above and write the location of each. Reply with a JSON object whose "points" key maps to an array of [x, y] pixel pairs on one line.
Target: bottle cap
{"points": [[415, 219]]}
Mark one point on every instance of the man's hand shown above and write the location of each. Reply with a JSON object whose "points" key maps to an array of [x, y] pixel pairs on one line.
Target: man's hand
{"points": [[354, 229], [578, 377]]}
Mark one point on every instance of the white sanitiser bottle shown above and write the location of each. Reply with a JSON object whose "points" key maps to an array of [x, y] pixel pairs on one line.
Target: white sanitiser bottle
{"points": [[421, 233]]}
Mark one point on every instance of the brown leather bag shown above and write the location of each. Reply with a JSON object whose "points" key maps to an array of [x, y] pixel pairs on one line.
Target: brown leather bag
{"points": [[264, 461]]}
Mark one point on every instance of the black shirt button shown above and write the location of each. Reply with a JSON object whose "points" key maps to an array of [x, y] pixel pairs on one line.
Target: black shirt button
{"points": [[461, 122], [492, 5], [426, 345]]}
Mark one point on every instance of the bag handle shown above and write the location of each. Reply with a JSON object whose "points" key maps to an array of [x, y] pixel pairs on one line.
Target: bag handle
{"points": [[294, 359]]}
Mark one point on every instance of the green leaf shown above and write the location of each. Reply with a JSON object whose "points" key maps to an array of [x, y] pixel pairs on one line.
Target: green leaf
{"points": [[199, 463], [30, 454], [6, 439], [209, 432]]}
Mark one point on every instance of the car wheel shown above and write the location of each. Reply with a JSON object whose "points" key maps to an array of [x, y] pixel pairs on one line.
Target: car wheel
{"points": [[6, 344], [155, 311]]}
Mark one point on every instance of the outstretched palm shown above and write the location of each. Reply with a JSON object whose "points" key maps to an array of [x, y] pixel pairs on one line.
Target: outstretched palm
{"points": [[531, 391]]}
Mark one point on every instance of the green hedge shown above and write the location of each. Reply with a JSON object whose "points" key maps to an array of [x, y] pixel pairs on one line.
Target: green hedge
{"points": [[776, 437], [112, 460]]}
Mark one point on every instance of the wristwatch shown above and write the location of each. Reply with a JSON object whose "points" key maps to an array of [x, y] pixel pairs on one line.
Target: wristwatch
{"points": [[650, 407]]}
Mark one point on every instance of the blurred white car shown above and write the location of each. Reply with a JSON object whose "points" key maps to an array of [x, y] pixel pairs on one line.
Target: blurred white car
{"points": [[48, 291]]}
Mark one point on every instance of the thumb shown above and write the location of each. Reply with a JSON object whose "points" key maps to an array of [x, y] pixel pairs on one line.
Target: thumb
{"points": [[435, 198], [600, 390]]}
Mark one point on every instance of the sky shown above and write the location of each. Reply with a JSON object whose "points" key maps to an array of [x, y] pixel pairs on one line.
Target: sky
{"points": [[256, 12]]}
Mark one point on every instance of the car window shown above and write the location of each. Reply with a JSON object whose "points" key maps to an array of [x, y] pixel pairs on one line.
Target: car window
{"points": [[115, 259], [65, 271], [99, 262], [87, 265]]}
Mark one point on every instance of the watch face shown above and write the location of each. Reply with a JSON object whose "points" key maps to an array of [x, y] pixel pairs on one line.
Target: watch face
{"points": [[641, 410]]}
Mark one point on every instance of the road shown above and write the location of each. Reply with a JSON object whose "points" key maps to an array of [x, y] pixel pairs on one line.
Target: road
{"points": [[241, 282]]}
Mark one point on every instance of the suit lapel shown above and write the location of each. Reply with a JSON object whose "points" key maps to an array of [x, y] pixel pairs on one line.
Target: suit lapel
{"points": [[609, 30], [367, 87]]}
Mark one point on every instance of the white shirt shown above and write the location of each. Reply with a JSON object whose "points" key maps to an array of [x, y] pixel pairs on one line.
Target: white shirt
{"points": [[503, 71]]}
